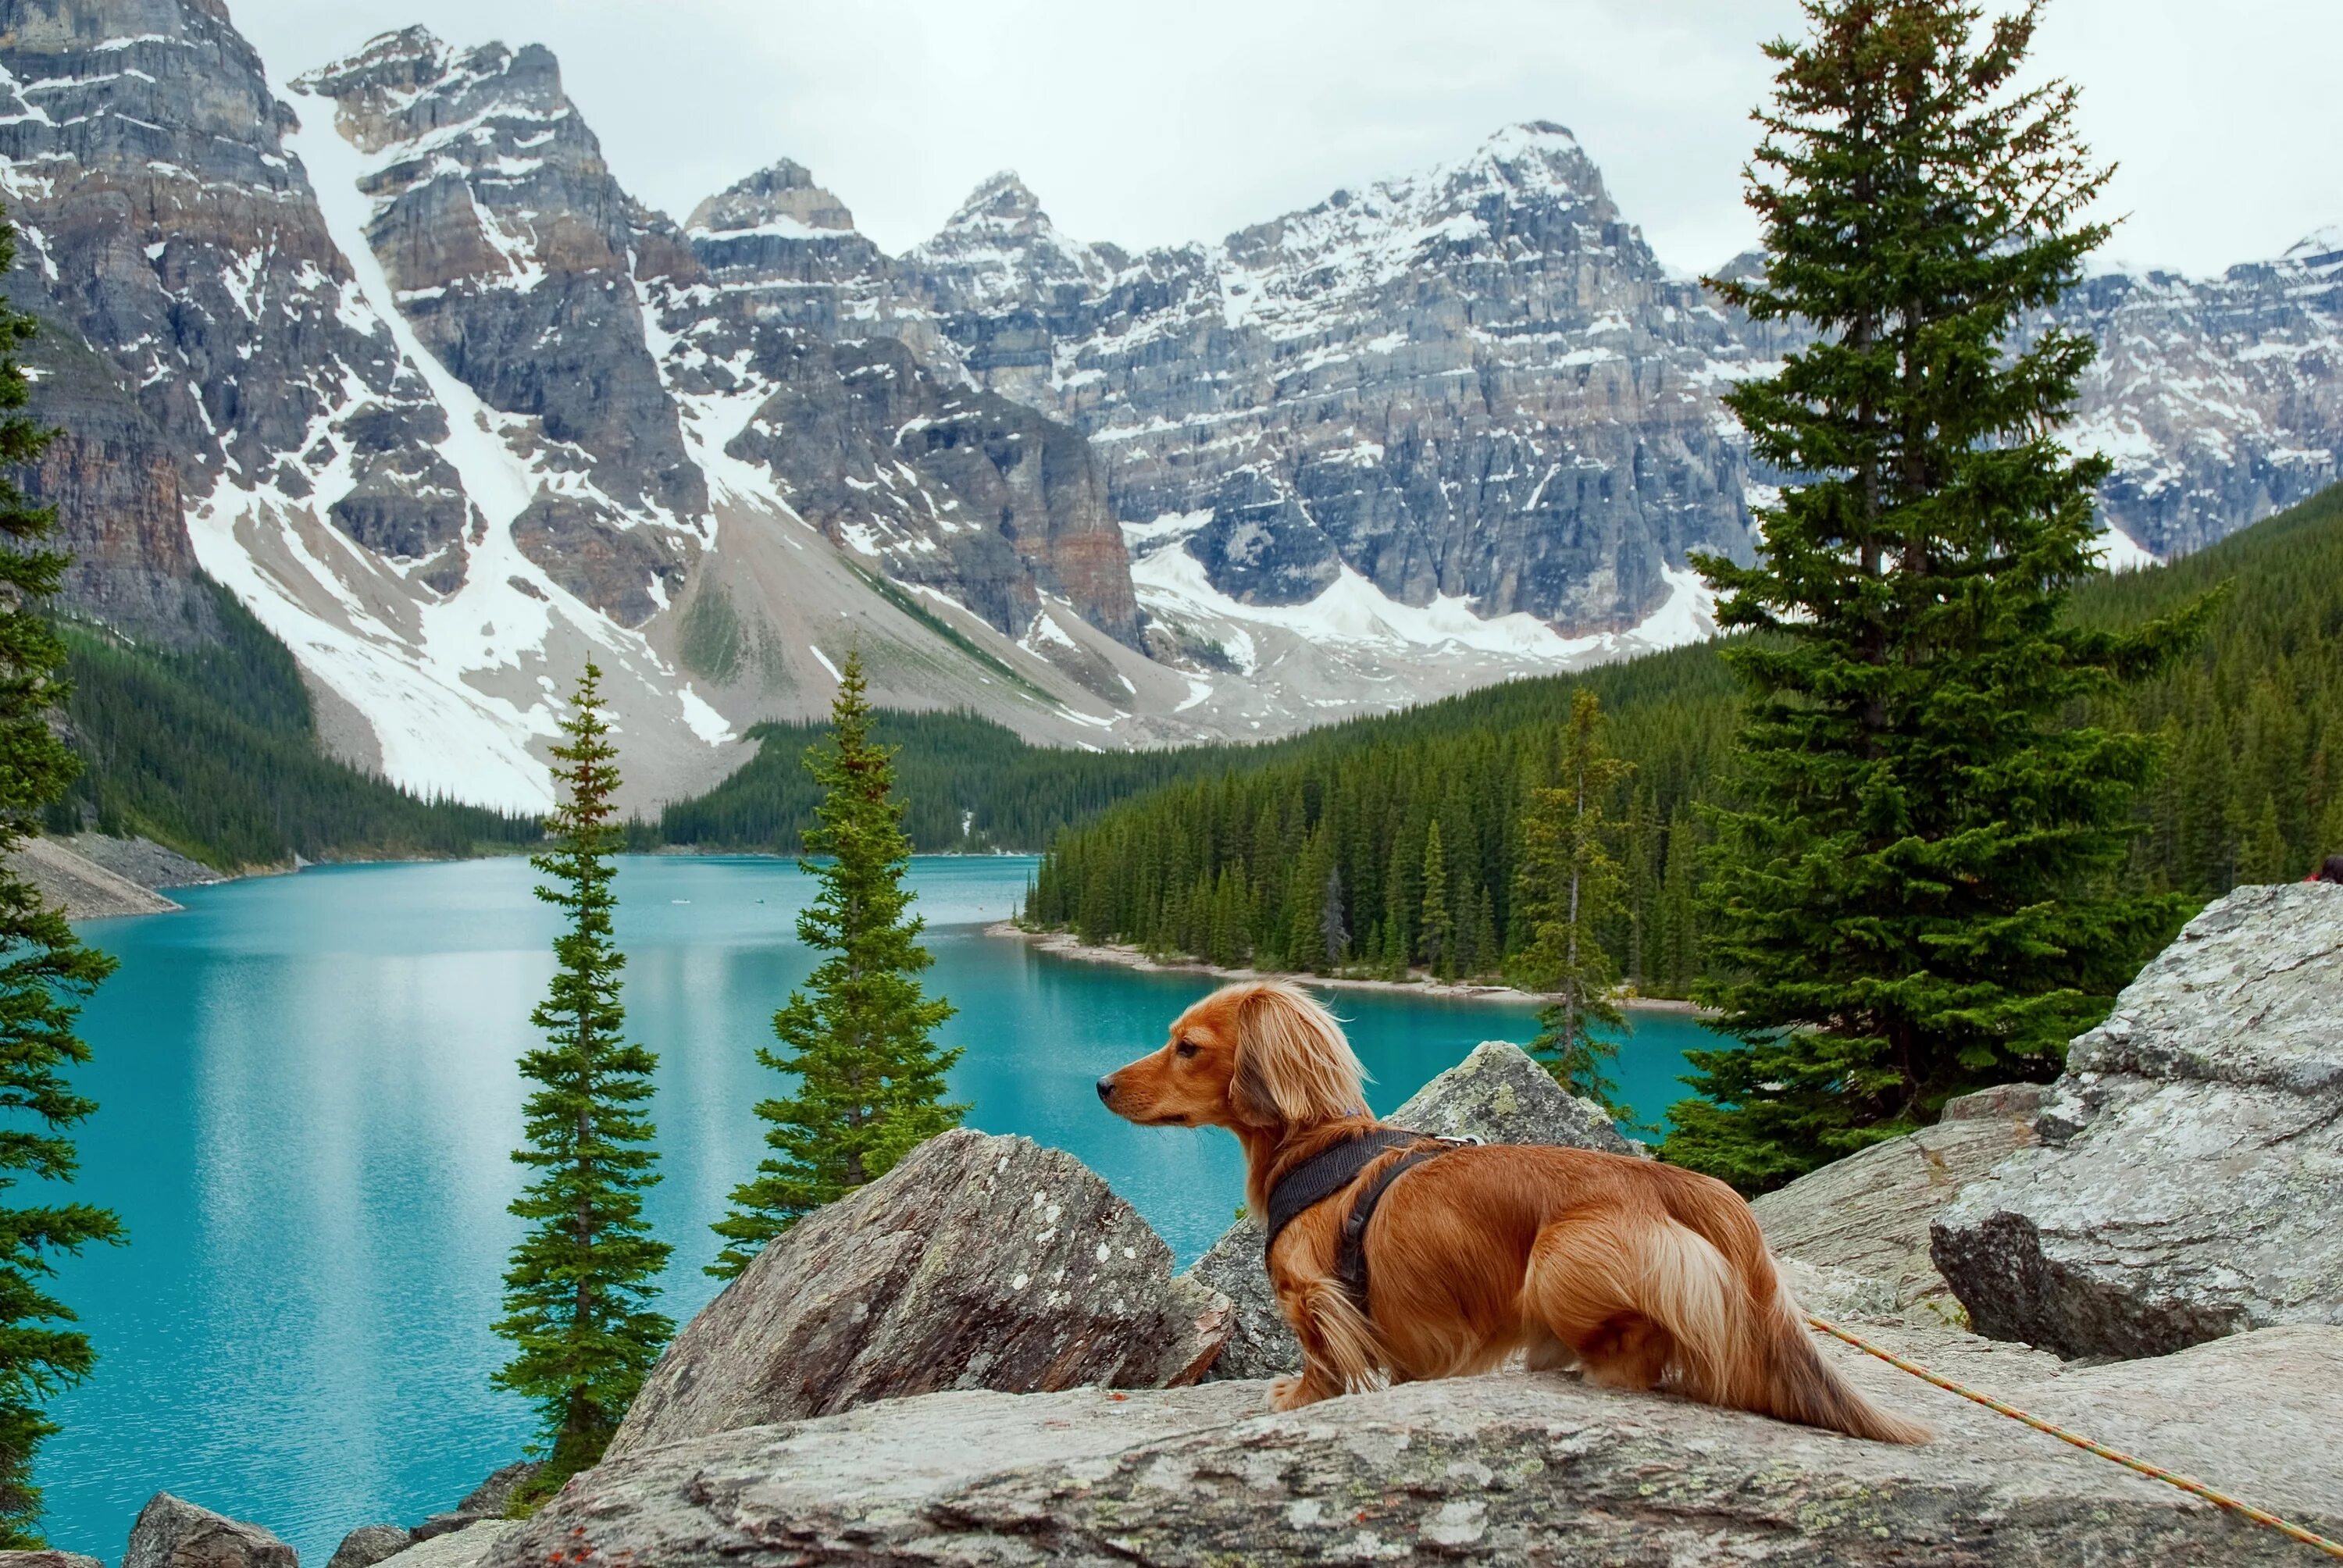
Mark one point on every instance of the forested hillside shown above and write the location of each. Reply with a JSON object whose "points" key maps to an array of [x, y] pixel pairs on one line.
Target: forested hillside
{"points": [[968, 784], [213, 752], [1331, 835]]}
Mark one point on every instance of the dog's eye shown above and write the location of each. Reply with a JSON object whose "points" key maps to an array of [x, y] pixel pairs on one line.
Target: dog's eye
{"points": [[1185, 1048]]}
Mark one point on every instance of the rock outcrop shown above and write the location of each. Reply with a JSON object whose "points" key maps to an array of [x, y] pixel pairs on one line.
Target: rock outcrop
{"points": [[1498, 1094], [494, 1495], [1869, 1213], [2184, 1186], [47, 1559], [174, 1534], [979, 1262], [1515, 1469]]}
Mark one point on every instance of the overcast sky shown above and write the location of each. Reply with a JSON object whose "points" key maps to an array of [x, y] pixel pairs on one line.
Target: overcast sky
{"points": [[1163, 123]]}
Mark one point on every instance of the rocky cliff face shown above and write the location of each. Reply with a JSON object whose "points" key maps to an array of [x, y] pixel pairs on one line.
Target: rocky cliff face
{"points": [[202, 329], [877, 437], [515, 255], [2219, 399], [1475, 384]]}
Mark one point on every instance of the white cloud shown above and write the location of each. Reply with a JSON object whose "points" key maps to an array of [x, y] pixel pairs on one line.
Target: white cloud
{"points": [[1148, 125]]}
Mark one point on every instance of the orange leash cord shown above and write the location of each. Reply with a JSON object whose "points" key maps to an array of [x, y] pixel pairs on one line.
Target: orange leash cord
{"points": [[2195, 1488]]}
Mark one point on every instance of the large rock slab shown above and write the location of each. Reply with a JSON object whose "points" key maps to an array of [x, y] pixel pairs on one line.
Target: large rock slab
{"points": [[979, 1262], [1869, 1213], [464, 1548], [1513, 1467], [44, 1558], [171, 1532], [1498, 1094], [2188, 1182]]}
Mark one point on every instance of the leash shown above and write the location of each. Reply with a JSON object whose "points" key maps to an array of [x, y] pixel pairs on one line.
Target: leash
{"points": [[2195, 1488]]}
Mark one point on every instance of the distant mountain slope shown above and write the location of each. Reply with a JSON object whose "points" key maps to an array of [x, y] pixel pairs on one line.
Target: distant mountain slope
{"points": [[211, 749]]}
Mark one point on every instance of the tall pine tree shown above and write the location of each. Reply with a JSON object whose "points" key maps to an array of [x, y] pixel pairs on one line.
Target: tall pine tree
{"points": [[859, 1038], [578, 1290], [44, 972], [1438, 926], [1570, 887], [1913, 895]]}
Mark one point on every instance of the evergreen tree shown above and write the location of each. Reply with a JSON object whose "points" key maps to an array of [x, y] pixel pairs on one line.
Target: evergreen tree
{"points": [[578, 1292], [1438, 926], [1570, 885], [871, 1078], [1912, 898], [45, 972]]}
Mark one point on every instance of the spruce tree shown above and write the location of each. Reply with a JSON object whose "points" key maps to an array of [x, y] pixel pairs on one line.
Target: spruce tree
{"points": [[44, 972], [859, 1038], [579, 1289], [1438, 926], [1570, 886], [1913, 895]]}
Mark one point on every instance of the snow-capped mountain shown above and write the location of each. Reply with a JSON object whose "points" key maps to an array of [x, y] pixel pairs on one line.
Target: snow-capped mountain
{"points": [[385, 348], [1475, 384]]}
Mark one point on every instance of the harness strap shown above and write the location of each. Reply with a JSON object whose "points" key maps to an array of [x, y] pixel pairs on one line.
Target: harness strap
{"points": [[1333, 1169], [1351, 1262], [1325, 1173]]}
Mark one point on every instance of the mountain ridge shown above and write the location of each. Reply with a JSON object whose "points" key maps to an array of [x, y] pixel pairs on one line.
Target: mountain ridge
{"points": [[394, 355]]}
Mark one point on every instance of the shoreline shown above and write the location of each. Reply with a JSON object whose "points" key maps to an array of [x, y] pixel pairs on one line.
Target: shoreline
{"points": [[1066, 945]]}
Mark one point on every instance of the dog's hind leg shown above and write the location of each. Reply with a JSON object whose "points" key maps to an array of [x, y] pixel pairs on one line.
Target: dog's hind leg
{"points": [[1582, 1284], [1543, 1350]]}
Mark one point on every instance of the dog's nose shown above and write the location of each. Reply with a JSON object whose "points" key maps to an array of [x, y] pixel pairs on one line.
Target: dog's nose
{"points": [[1106, 1087]]}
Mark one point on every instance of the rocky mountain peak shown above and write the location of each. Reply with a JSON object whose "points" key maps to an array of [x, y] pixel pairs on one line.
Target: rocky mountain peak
{"points": [[999, 247], [2320, 249], [1002, 200], [1531, 158], [781, 198]]}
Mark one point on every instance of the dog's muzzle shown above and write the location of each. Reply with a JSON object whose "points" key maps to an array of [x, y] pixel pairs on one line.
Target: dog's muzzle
{"points": [[1106, 1089]]}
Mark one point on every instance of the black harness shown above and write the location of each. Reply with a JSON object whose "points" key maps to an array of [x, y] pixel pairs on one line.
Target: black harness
{"points": [[1333, 1169]]}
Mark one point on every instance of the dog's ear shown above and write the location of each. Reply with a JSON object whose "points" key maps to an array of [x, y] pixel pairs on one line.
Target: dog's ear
{"points": [[1293, 1066]]}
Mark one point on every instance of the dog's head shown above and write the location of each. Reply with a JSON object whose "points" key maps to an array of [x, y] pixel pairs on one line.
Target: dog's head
{"points": [[1260, 1055]]}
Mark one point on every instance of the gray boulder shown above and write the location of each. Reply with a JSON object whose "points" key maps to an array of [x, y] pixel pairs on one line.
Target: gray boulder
{"points": [[1868, 1214], [1498, 1094], [47, 1559], [171, 1532], [1511, 1468], [2184, 1185], [369, 1544], [979, 1262]]}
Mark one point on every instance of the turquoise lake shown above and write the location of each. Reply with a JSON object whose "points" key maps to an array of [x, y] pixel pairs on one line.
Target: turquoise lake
{"points": [[307, 1099]]}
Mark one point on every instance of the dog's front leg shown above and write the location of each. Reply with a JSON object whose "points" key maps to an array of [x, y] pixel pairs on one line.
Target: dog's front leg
{"points": [[1339, 1350]]}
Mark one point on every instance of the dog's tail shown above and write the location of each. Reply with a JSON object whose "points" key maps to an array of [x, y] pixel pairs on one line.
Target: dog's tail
{"points": [[1741, 1340]]}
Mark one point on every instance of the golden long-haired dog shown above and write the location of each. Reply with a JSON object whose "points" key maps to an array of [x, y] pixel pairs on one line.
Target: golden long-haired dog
{"points": [[1641, 1274]]}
